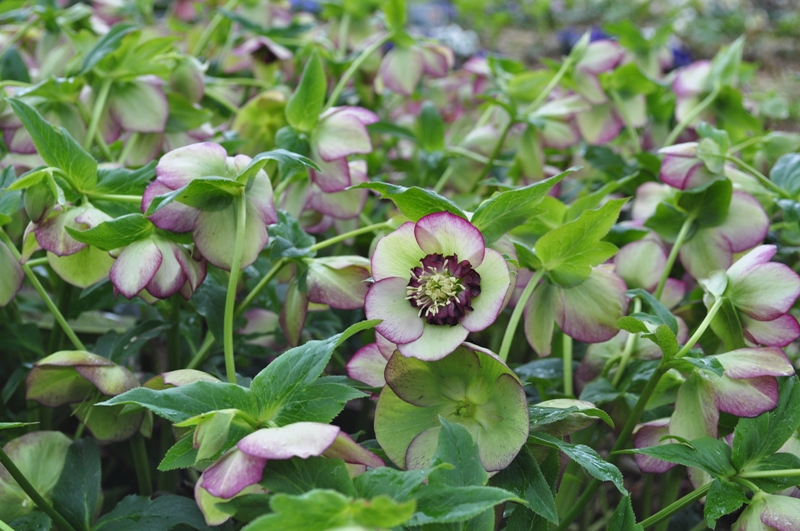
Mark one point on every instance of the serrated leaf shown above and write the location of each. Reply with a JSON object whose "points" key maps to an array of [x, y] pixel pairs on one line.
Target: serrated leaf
{"points": [[457, 448], [305, 105], [624, 519], [657, 309], [137, 513], [296, 476], [205, 193], [631, 324], [114, 233], [689, 363], [524, 478], [287, 159], [182, 454], [384, 481], [105, 45], [414, 202], [724, 497], [706, 453], [77, 492], [665, 339], [512, 208], [709, 204], [445, 504]]}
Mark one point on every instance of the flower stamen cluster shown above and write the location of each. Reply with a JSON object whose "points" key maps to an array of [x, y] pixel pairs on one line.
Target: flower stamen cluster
{"points": [[443, 292]]}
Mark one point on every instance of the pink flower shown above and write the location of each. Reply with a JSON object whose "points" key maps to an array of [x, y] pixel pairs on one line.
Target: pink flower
{"points": [[402, 67]]}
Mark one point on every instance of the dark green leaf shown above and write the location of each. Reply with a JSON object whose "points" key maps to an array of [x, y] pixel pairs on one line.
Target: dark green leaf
{"points": [[209, 301], [688, 363], [36, 521], [305, 105], [524, 478], [321, 402], [786, 173], [665, 339], [205, 193], [624, 519], [117, 347], [667, 222], [606, 160], [457, 448], [125, 181], [631, 324], [137, 513], [115, 233], [779, 461], [456, 504], [77, 492], [296, 475], [709, 204], [182, 454], [657, 309], [414, 202], [724, 497], [246, 507], [12, 67], [706, 453], [105, 45], [397, 484], [288, 239], [287, 159]]}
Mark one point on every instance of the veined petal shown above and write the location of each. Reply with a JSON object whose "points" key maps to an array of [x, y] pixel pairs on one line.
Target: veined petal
{"points": [[641, 263], [766, 291], [696, 413], [494, 287], [674, 292], [684, 172], [169, 278], [447, 234], [343, 287], [648, 196], [178, 167], [386, 300], [88, 266], [12, 277], [600, 125], [601, 56], [368, 365], [588, 86], [400, 71], [340, 135], [260, 199], [214, 236], [333, 176], [437, 60], [647, 435], [754, 362], [692, 79], [234, 472], [707, 251], [397, 253], [760, 255], [365, 116], [135, 267], [781, 513], [52, 236], [175, 216], [747, 224], [346, 204], [422, 449], [503, 423], [139, 106], [776, 333], [111, 381], [193, 269], [436, 341], [747, 397], [301, 439], [540, 314], [590, 310], [346, 449]]}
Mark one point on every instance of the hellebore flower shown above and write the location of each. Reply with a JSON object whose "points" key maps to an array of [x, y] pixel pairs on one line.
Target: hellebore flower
{"points": [[402, 67], [346, 204], [769, 512], [40, 456], [435, 282], [12, 277], [471, 387], [341, 131], [690, 83], [681, 168], [587, 312], [212, 230], [159, 266], [369, 362], [338, 281], [139, 105], [762, 292], [82, 379], [243, 466]]}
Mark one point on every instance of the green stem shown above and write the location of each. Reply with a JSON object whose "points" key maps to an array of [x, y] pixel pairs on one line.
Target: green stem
{"points": [[676, 506], [444, 178], [337, 90], [276, 267], [43, 294], [516, 315], [230, 299], [33, 494], [496, 151], [209, 30], [202, 352], [64, 292], [673, 255], [5, 527], [702, 328], [351, 234], [174, 336], [477, 157], [142, 465], [763, 179], [630, 346], [136, 199], [670, 493], [689, 118], [566, 352], [126, 150], [745, 144], [565, 66], [37, 262], [344, 28], [781, 473], [97, 112]]}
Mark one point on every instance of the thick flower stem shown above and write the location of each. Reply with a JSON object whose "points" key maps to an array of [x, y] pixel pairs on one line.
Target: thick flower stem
{"points": [[135, 199], [230, 299], [782, 473], [142, 465], [337, 90], [97, 112], [33, 494], [763, 179], [516, 315], [689, 118], [566, 351], [673, 508], [59, 317], [351, 234], [630, 346], [702, 328], [673, 255]]}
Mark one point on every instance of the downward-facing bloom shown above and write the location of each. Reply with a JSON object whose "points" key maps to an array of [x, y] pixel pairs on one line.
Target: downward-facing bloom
{"points": [[681, 168], [435, 282], [402, 67], [689, 85], [769, 512]]}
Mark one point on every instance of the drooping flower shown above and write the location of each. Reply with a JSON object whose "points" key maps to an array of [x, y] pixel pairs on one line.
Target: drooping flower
{"points": [[12, 277], [690, 83], [402, 67], [769, 512], [435, 282], [681, 168]]}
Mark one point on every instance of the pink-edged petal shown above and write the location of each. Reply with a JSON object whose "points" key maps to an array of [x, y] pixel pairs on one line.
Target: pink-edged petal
{"points": [[648, 196], [111, 381], [559, 135], [347, 204], [776, 333], [696, 413], [601, 56], [748, 397], [685, 105], [333, 176], [178, 167], [365, 116], [447, 234], [12, 275], [367, 365], [386, 300], [707, 251], [641, 263], [590, 310], [340, 282], [747, 223], [340, 135], [88, 266], [186, 377], [135, 267], [588, 86], [692, 79], [52, 236], [260, 199], [647, 435], [781, 513], [766, 291], [385, 346], [422, 448], [193, 269], [256, 44], [494, 287], [346, 449], [674, 292], [683, 172], [213, 236], [437, 60], [175, 217], [760, 255], [754, 362], [139, 106], [436, 342], [600, 125], [169, 278], [232, 473], [397, 253], [301, 439], [400, 71]]}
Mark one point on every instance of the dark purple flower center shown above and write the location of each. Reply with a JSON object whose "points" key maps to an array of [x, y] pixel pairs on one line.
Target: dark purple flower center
{"points": [[443, 289]]}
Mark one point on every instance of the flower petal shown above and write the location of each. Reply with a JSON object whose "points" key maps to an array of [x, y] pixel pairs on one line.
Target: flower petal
{"points": [[695, 412], [641, 263], [12, 277], [433, 383], [494, 287], [648, 196], [747, 397], [346, 204], [590, 310], [781, 513], [178, 167], [396, 254], [600, 125], [754, 362], [674, 291], [760, 255], [333, 176], [386, 300], [214, 236], [135, 267], [502, 423], [540, 314], [234, 472], [397, 423], [447, 234], [346, 449], [422, 449], [776, 333], [647, 435], [437, 60], [436, 342], [260, 199], [301, 439], [84, 268], [601, 56], [766, 291], [692, 79], [368, 365], [170, 277], [175, 216], [340, 135], [747, 224], [400, 71], [707, 251], [139, 106]]}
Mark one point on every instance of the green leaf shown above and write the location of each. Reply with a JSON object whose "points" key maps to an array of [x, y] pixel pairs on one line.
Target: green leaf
{"points": [[786, 173], [632, 325], [395, 11], [762, 436], [414, 202], [9, 199], [399, 485], [105, 45], [457, 448], [125, 181], [77, 492], [657, 309], [569, 251], [245, 507], [181, 455], [115, 233], [137, 513], [431, 128], [511, 208], [667, 222], [524, 478], [708, 204], [725, 65], [296, 475], [724, 497], [288, 239], [443, 504], [706, 453], [12, 67], [321, 401], [35, 521], [305, 105], [666, 341], [688, 363], [57, 148], [586, 457], [288, 160], [624, 519], [779, 461], [205, 193], [14, 425]]}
